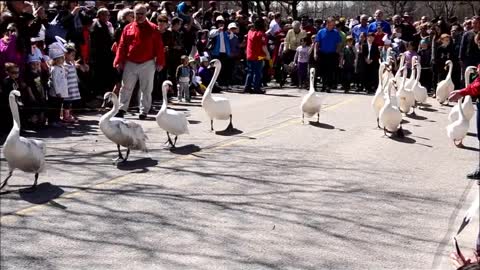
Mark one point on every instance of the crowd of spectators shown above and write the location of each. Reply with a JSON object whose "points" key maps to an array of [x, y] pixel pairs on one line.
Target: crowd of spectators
{"points": [[132, 47]]}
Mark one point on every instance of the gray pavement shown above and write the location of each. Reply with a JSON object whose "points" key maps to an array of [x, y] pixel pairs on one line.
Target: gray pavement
{"points": [[279, 194]]}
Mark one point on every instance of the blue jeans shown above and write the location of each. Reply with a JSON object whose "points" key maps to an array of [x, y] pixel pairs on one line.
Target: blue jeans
{"points": [[254, 75]]}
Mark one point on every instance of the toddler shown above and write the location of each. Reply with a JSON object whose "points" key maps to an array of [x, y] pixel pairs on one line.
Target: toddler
{"points": [[184, 78], [72, 79], [301, 62], [58, 83]]}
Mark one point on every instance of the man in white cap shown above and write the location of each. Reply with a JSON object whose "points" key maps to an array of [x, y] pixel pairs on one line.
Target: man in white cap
{"points": [[140, 52], [221, 48]]}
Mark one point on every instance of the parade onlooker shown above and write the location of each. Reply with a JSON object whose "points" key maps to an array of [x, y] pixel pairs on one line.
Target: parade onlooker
{"points": [[58, 84], [444, 52], [140, 53], [371, 54], [379, 21], [469, 50], [256, 53], [348, 64], [73, 90], [425, 54], [184, 76], [291, 43], [37, 85], [221, 49], [328, 42], [360, 28], [301, 62]]}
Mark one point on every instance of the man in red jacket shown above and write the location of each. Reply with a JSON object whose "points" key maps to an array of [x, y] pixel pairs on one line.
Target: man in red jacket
{"points": [[472, 90], [140, 53]]}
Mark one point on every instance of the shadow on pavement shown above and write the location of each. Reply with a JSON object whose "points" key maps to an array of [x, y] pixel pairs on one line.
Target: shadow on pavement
{"points": [[280, 95], [226, 132], [321, 125], [186, 149], [472, 134], [142, 163], [416, 117], [44, 193], [194, 122]]}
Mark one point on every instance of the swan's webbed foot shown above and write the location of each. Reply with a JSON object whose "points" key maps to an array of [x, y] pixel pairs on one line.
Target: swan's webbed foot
{"points": [[4, 183], [400, 133], [34, 186], [120, 156], [172, 144], [459, 145], [230, 125]]}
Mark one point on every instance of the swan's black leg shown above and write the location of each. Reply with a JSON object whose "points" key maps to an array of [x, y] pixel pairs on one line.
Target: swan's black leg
{"points": [[230, 125], [170, 140], [175, 141], [128, 153], [4, 183], [211, 124], [400, 133], [120, 156], [378, 122], [34, 186], [385, 131], [413, 113], [318, 117], [303, 118]]}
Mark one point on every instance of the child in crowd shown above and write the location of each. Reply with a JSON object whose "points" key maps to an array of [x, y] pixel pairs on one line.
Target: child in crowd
{"points": [[443, 53], [348, 63], [184, 78], [58, 83], [37, 86], [360, 62], [301, 62], [206, 74], [73, 89], [425, 54], [9, 83], [409, 54]]}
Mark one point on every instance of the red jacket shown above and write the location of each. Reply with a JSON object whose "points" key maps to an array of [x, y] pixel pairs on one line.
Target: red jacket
{"points": [[140, 43], [473, 89]]}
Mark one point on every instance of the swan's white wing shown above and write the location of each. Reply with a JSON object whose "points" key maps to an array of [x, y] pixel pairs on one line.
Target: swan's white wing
{"points": [[130, 134], [219, 108]]}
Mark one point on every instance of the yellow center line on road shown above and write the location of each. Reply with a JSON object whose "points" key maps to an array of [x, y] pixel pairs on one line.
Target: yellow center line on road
{"points": [[25, 211]]}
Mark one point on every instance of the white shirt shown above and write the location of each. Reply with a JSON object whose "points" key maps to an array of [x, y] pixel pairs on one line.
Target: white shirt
{"points": [[369, 49], [215, 32], [273, 28], [59, 83]]}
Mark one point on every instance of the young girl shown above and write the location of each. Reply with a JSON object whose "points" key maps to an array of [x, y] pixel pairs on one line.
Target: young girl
{"points": [[58, 84], [301, 62], [184, 78], [37, 84], [409, 54], [444, 52], [72, 79]]}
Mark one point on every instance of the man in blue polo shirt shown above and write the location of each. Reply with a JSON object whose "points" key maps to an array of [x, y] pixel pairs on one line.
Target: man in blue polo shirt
{"points": [[379, 21], [327, 46], [362, 27]]}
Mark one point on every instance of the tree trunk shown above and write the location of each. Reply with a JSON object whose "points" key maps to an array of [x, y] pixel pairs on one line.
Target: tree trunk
{"points": [[245, 8], [294, 9]]}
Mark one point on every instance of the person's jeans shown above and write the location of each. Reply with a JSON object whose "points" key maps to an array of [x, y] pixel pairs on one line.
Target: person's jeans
{"points": [[254, 75]]}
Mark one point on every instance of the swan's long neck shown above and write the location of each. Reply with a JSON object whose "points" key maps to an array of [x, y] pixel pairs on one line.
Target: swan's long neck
{"points": [[208, 91], [312, 82], [115, 108], [460, 109], [450, 67], [467, 77], [402, 62], [15, 116], [165, 99]]}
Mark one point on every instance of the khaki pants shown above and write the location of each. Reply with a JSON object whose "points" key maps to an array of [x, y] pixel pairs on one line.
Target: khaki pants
{"points": [[143, 72]]}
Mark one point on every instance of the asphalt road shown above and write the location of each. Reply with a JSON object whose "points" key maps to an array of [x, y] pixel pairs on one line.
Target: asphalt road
{"points": [[277, 194]]}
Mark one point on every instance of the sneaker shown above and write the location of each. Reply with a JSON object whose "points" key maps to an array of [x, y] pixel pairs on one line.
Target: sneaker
{"points": [[120, 114], [142, 116], [475, 175]]}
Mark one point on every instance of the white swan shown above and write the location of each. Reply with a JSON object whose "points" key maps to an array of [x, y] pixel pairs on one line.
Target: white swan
{"points": [[406, 98], [378, 100], [120, 131], [216, 107], [398, 76], [170, 120], [21, 153], [467, 104], [445, 87], [390, 116], [419, 91], [411, 79], [457, 130], [311, 102]]}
